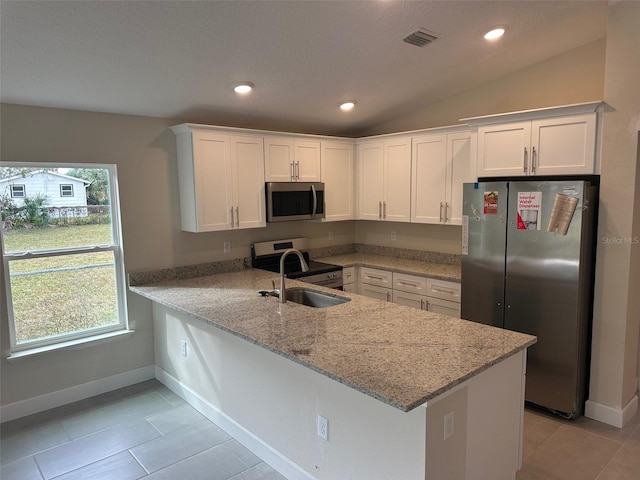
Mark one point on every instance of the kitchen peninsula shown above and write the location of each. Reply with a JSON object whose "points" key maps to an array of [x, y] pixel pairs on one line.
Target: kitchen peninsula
{"points": [[383, 375]]}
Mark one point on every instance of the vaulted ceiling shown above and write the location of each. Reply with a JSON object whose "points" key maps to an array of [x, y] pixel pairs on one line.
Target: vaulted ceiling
{"points": [[180, 59]]}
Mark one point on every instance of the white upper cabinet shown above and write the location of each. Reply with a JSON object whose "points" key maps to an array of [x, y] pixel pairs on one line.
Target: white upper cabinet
{"points": [[291, 160], [555, 141], [339, 182], [440, 164], [384, 180], [221, 179]]}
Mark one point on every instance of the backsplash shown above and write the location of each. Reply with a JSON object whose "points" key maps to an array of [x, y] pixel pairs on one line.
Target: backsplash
{"points": [[212, 268]]}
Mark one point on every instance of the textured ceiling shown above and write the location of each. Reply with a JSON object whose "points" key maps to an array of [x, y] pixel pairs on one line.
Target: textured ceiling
{"points": [[180, 59]]}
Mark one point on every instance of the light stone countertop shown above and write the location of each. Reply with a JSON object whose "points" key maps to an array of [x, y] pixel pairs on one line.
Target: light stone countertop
{"points": [[398, 355], [439, 271]]}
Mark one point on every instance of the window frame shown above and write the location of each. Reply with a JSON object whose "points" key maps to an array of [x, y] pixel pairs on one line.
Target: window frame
{"points": [[24, 190], [71, 190], [88, 335]]}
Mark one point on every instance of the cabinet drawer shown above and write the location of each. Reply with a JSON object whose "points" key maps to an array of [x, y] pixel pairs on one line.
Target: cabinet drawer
{"points": [[373, 276], [409, 283], [443, 307], [349, 275], [444, 290]]}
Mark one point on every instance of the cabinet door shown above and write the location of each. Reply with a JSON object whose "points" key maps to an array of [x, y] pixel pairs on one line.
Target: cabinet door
{"points": [[306, 159], [443, 307], [248, 171], [504, 149], [428, 178], [350, 287], [373, 291], [339, 183], [412, 300], [278, 159], [213, 181], [370, 181], [564, 145], [397, 200], [459, 171], [349, 275]]}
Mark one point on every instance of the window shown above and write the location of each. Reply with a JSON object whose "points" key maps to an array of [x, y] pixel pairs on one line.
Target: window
{"points": [[17, 191], [66, 190], [66, 284]]}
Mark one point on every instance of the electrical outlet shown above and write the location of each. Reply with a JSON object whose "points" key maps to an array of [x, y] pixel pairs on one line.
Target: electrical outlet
{"points": [[183, 348], [393, 235], [448, 425], [323, 428], [227, 247], [330, 235]]}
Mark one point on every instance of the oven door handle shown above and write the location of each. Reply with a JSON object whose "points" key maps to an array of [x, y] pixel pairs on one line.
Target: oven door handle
{"points": [[315, 201]]}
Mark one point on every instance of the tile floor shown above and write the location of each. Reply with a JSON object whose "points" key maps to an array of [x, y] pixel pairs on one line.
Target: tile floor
{"points": [[146, 431], [142, 431]]}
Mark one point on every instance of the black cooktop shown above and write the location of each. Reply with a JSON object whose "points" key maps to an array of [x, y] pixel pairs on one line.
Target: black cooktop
{"points": [[292, 265]]}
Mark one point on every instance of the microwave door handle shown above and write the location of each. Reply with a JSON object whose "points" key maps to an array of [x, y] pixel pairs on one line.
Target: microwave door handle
{"points": [[315, 201]]}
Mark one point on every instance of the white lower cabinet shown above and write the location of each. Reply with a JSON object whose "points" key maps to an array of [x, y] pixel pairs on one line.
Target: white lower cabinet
{"points": [[438, 296], [444, 307], [350, 279], [376, 283]]}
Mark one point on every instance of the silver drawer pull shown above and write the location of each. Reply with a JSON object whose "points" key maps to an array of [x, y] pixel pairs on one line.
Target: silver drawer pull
{"points": [[444, 290], [374, 278], [400, 282]]}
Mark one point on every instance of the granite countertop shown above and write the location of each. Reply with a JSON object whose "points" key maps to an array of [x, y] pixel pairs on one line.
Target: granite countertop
{"points": [[439, 271], [398, 355]]}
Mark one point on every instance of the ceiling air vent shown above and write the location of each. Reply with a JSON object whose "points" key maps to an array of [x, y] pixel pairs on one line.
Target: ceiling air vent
{"points": [[420, 37]]}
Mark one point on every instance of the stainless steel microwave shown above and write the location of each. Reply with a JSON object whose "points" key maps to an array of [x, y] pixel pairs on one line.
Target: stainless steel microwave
{"points": [[290, 201]]}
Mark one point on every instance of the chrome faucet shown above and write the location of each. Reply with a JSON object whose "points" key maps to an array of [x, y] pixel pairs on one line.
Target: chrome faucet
{"points": [[303, 265]]}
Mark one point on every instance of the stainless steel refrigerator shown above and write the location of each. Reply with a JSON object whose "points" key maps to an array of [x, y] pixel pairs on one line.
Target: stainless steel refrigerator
{"points": [[528, 251]]}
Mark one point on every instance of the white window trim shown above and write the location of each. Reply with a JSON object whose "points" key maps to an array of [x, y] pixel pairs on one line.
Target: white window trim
{"points": [[70, 185], [92, 335], [24, 191]]}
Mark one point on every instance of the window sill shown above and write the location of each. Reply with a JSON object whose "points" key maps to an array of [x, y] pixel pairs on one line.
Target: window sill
{"points": [[71, 345]]}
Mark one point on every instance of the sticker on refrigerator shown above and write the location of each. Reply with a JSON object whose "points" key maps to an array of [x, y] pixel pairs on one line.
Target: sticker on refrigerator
{"points": [[490, 203], [529, 210], [561, 214], [465, 234]]}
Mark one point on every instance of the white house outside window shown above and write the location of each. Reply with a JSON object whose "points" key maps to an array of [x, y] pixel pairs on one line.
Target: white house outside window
{"points": [[66, 190], [64, 274], [17, 191]]}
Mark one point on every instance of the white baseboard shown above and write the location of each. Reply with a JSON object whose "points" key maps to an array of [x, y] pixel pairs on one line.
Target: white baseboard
{"points": [[75, 393], [272, 457], [617, 417]]}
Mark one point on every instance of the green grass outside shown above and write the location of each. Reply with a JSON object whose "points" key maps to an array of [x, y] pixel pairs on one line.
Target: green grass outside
{"points": [[49, 303]]}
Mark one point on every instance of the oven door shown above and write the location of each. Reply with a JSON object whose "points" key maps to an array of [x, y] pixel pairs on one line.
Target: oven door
{"points": [[289, 201]]}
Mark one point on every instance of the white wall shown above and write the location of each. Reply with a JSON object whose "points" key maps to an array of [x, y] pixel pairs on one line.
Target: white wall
{"points": [[614, 368]]}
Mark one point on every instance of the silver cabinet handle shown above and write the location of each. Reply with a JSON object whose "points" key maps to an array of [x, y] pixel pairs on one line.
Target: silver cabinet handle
{"points": [[525, 160], [421, 304], [440, 212], [401, 282], [427, 306], [297, 170], [237, 217], [293, 171], [380, 210], [388, 297], [446, 212], [384, 210], [533, 159], [232, 217], [374, 278]]}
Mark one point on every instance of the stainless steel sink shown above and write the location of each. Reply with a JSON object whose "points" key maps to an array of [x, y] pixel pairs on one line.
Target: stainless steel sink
{"points": [[313, 298]]}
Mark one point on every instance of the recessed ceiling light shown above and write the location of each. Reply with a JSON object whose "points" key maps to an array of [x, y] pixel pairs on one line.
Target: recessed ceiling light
{"points": [[348, 105], [244, 87], [495, 33]]}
